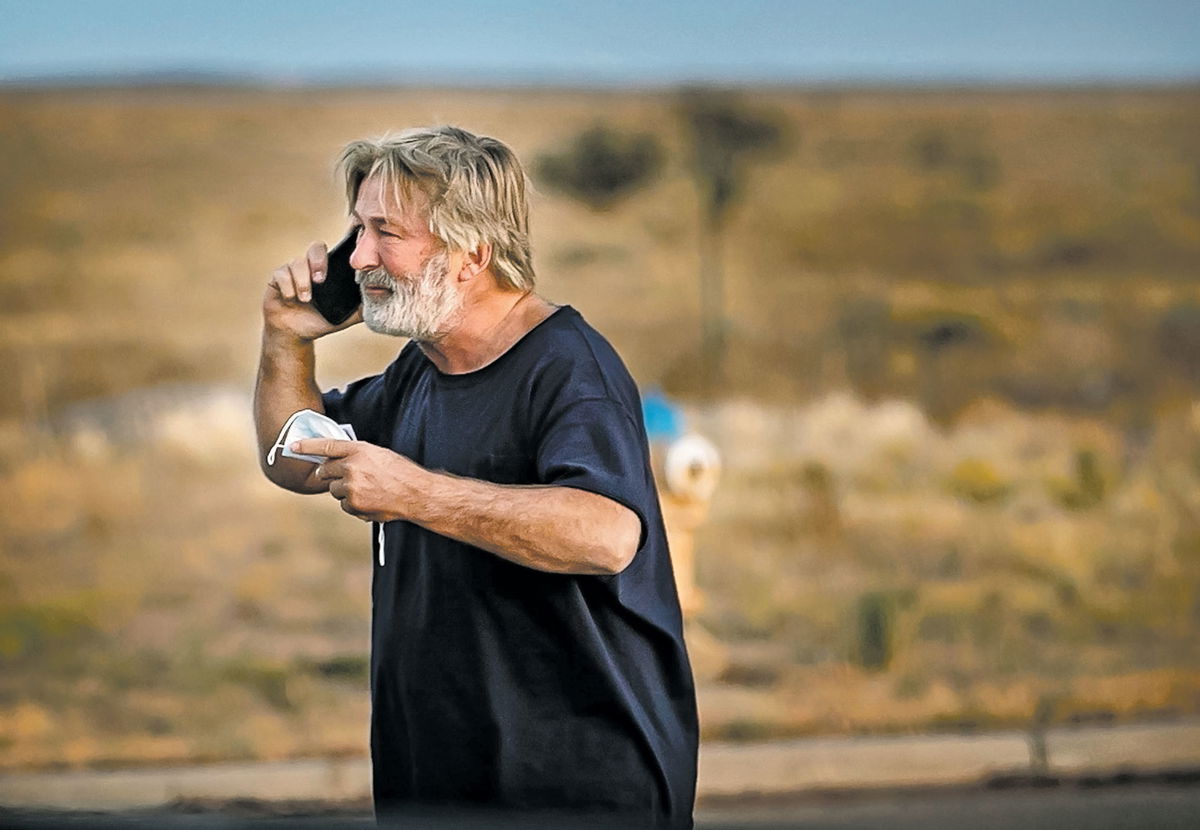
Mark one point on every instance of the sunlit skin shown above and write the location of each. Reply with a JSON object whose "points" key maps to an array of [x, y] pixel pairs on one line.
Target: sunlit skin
{"points": [[549, 528]]}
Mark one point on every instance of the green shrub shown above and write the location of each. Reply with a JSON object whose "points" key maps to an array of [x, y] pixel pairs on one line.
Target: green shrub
{"points": [[27, 631], [978, 481], [1088, 487], [601, 166], [267, 679], [353, 667], [876, 634]]}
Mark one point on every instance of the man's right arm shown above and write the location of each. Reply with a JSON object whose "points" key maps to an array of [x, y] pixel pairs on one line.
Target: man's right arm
{"points": [[286, 370]]}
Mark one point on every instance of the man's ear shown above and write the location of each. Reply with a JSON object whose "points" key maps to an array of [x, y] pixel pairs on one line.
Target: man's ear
{"points": [[476, 262]]}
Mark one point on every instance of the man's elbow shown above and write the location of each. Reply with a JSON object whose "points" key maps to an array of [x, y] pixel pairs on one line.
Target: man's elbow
{"points": [[620, 543], [286, 476]]}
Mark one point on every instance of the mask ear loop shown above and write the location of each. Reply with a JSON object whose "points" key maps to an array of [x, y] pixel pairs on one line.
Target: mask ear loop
{"points": [[280, 442]]}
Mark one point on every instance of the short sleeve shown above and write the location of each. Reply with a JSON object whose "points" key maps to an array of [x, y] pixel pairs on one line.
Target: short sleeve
{"points": [[356, 405], [595, 445]]}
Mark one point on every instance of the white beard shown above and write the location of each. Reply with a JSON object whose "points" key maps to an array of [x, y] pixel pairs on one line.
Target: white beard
{"points": [[423, 306]]}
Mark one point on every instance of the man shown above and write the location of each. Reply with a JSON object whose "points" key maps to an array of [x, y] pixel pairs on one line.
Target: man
{"points": [[527, 651]]}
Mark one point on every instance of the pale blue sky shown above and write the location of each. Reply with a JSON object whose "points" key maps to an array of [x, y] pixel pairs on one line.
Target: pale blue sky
{"points": [[613, 42]]}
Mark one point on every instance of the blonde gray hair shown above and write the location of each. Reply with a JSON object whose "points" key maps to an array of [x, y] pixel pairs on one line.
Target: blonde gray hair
{"points": [[474, 187]]}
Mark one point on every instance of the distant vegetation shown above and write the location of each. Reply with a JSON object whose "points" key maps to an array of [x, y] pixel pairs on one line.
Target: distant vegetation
{"points": [[601, 166], [725, 134], [958, 333]]}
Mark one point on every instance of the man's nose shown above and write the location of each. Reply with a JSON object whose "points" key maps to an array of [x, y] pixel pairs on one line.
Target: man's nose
{"points": [[365, 256]]}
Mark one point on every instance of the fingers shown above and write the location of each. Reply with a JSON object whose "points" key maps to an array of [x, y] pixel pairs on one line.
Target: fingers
{"points": [[318, 258], [341, 491], [301, 278], [330, 470], [294, 280], [327, 447], [346, 508], [281, 281]]}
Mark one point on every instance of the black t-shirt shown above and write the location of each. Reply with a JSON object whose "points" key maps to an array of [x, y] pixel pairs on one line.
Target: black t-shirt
{"points": [[497, 685]]}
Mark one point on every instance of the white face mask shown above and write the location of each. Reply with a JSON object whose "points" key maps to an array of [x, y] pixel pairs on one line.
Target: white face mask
{"points": [[308, 424]]}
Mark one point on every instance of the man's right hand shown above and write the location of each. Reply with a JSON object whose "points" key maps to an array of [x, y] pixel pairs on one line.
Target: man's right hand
{"points": [[287, 303]]}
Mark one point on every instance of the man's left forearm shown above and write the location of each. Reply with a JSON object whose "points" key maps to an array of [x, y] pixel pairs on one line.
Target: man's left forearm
{"points": [[556, 529], [550, 528]]}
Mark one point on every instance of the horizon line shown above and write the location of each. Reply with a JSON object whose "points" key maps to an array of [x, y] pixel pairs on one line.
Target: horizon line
{"points": [[184, 77]]}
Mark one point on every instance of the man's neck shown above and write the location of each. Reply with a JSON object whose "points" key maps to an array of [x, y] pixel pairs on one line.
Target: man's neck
{"points": [[491, 325]]}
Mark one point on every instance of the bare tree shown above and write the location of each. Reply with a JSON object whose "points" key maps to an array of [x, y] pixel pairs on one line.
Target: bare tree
{"points": [[724, 135]]}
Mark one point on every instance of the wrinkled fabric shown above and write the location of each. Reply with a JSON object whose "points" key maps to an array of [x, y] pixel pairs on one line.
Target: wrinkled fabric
{"points": [[495, 686]]}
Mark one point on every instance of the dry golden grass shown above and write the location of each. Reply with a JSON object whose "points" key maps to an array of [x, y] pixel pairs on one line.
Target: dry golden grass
{"points": [[956, 407]]}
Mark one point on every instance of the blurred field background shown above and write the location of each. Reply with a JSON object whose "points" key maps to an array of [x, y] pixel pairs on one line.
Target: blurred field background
{"points": [[957, 398]]}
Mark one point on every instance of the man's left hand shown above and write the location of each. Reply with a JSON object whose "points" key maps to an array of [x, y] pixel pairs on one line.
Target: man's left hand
{"points": [[371, 483]]}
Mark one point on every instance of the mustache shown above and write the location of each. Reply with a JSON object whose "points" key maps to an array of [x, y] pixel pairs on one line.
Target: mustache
{"points": [[377, 278]]}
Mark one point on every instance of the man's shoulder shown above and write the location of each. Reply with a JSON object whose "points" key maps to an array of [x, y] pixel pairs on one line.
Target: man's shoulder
{"points": [[569, 337], [570, 351]]}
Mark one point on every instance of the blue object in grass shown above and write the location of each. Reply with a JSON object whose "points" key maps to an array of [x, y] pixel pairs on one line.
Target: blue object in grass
{"points": [[663, 418]]}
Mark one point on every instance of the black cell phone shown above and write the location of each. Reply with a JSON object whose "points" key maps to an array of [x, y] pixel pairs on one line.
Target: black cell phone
{"points": [[338, 296]]}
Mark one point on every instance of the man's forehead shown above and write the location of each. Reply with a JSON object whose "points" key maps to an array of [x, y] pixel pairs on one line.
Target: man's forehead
{"points": [[378, 199]]}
